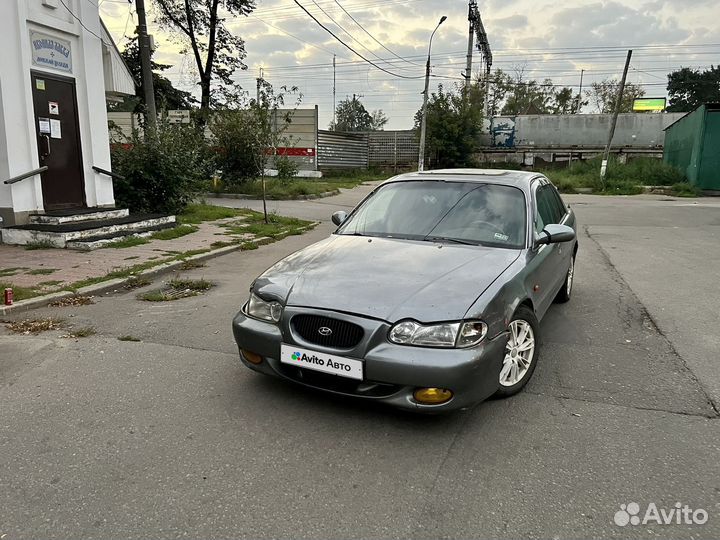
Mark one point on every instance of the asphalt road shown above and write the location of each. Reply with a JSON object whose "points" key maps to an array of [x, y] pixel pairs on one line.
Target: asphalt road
{"points": [[172, 437]]}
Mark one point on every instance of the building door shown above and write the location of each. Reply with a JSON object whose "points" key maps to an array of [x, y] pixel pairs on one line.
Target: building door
{"points": [[58, 140]]}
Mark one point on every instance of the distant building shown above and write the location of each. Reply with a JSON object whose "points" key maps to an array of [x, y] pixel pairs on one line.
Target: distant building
{"points": [[58, 67]]}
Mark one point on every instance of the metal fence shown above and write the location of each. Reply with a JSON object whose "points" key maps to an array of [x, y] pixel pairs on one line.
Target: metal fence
{"points": [[343, 150], [393, 148], [340, 150]]}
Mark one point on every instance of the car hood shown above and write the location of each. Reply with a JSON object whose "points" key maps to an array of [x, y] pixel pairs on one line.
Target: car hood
{"points": [[386, 278]]}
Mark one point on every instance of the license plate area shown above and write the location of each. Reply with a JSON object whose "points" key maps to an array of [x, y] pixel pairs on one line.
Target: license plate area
{"points": [[341, 366]]}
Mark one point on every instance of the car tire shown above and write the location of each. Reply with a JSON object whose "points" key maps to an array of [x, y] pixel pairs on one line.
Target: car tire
{"points": [[509, 384], [565, 291]]}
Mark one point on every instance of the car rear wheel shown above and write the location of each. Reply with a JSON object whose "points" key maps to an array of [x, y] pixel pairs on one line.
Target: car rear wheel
{"points": [[521, 353], [565, 291]]}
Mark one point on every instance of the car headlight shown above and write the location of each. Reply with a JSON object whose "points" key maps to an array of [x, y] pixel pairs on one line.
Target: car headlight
{"points": [[453, 334], [265, 311]]}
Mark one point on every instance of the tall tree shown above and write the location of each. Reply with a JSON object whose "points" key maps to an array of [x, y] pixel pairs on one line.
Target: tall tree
{"points": [[200, 26], [167, 97], [351, 115], [454, 121], [603, 95], [689, 88]]}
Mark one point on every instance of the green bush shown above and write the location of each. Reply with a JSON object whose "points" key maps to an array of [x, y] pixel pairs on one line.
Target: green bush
{"points": [[235, 138], [287, 168], [162, 173]]}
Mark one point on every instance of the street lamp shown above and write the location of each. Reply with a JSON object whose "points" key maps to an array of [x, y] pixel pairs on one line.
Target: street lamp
{"points": [[421, 157]]}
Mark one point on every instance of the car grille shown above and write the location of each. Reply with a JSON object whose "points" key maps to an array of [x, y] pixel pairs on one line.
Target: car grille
{"points": [[343, 335]]}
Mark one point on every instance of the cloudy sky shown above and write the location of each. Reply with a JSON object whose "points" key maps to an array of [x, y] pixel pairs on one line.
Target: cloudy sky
{"points": [[549, 39]]}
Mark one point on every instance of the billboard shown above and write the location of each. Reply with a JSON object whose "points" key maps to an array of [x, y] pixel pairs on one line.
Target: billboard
{"points": [[649, 104]]}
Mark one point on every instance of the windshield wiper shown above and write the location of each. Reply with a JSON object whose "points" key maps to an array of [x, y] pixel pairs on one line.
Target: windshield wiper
{"points": [[451, 240]]}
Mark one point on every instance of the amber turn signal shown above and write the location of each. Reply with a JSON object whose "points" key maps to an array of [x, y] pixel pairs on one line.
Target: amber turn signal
{"points": [[432, 396], [252, 357]]}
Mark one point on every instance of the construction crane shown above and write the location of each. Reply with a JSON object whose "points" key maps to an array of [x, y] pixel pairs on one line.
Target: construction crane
{"points": [[477, 30]]}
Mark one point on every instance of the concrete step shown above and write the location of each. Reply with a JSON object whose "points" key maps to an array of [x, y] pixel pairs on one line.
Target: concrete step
{"points": [[58, 235], [74, 216], [96, 242]]}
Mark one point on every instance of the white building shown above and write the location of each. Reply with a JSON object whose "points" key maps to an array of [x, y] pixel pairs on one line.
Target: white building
{"points": [[58, 67]]}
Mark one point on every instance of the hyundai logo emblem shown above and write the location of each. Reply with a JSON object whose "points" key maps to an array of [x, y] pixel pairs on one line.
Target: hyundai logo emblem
{"points": [[324, 331]]}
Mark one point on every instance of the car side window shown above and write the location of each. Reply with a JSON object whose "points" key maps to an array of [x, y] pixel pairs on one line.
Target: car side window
{"points": [[561, 207], [547, 210]]}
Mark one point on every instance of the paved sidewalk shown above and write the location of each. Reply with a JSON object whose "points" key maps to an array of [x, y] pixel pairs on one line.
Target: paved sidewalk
{"points": [[48, 270]]}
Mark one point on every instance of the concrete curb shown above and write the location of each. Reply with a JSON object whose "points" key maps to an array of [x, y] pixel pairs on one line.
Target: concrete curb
{"points": [[253, 198], [111, 284]]}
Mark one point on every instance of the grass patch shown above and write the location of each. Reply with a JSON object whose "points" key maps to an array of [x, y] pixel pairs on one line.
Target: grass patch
{"points": [[686, 189], [40, 244], [127, 242], [128, 338], [41, 271], [278, 189], [136, 282], [176, 289], [221, 244], [621, 179], [35, 326], [83, 332], [175, 232], [20, 293], [197, 213], [190, 284], [50, 283], [191, 265], [254, 223], [72, 301], [5, 272], [248, 246]]}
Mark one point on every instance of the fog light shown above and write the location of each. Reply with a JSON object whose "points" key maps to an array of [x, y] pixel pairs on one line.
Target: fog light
{"points": [[251, 357], [432, 396]]}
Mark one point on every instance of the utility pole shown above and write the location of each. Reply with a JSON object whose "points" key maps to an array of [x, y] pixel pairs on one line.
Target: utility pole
{"points": [[334, 118], [579, 99], [145, 54], [423, 123], [613, 123], [471, 43]]}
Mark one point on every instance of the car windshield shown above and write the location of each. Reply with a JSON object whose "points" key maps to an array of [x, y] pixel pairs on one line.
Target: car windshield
{"points": [[456, 212]]}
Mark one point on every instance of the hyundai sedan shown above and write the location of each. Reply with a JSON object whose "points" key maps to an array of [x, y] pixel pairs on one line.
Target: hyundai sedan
{"points": [[426, 297]]}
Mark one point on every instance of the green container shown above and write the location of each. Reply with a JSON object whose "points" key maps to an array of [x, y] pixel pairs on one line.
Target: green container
{"points": [[692, 145]]}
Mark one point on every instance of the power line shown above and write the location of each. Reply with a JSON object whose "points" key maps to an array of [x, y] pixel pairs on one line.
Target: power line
{"points": [[348, 33], [373, 37], [351, 49], [82, 23], [293, 36]]}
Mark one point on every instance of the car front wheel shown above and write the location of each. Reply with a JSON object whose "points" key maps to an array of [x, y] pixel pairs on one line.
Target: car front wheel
{"points": [[565, 291], [521, 352]]}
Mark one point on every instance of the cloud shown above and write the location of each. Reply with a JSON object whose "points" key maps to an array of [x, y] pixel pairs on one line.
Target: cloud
{"points": [[549, 37]]}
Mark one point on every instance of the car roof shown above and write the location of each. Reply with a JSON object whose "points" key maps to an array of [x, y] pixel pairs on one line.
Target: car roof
{"points": [[519, 179]]}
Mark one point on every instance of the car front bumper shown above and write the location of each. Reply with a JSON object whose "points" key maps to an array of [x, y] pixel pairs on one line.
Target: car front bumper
{"points": [[392, 372]]}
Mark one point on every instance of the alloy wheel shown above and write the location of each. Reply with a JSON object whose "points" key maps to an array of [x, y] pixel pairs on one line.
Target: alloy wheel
{"points": [[519, 353]]}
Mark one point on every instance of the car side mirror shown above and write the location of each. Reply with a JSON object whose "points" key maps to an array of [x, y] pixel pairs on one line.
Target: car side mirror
{"points": [[339, 217], [555, 234]]}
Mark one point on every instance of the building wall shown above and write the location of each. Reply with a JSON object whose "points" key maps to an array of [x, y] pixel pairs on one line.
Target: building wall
{"points": [[18, 148], [637, 130]]}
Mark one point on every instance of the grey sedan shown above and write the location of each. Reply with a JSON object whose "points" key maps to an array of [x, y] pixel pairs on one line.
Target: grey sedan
{"points": [[426, 297]]}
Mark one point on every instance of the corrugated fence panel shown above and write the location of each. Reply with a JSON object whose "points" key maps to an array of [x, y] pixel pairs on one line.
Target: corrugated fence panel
{"points": [[393, 147], [338, 150]]}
